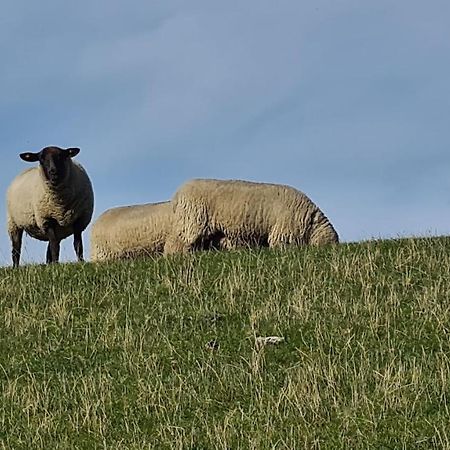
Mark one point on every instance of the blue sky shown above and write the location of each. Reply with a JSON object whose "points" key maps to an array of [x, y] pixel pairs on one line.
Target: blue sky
{"points": [[348, 101]]}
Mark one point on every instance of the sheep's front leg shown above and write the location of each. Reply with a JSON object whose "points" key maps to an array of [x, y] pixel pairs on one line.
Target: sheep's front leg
{"points": [[53, 244], [78, 241], [15, 235]]}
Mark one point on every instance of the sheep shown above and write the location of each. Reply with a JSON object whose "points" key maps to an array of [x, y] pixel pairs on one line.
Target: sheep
{"points": [[235, 213], [131, 231], [50, 202]]}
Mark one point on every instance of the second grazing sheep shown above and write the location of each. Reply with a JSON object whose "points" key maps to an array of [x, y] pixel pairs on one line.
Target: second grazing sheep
{"points": [[50, 202], [131, 231], [237, 213]]}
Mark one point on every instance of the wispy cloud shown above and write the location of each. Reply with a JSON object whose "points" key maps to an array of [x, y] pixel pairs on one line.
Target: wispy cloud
{"points": [[344, 100]]}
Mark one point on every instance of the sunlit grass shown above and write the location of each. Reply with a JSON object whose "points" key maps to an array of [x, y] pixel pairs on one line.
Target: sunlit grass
{"points": [[117, 356]]}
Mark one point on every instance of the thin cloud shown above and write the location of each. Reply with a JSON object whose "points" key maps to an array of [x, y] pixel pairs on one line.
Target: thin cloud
{"points": [[344, 100]]}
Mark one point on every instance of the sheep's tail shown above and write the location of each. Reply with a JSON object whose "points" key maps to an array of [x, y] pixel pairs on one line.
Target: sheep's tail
{"points": [[323, 231]]}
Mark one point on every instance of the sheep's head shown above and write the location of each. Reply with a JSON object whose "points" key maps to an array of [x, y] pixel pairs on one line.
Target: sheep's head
{"points": [[54, 162]]}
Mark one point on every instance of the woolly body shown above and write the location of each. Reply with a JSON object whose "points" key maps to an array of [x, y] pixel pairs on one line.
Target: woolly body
{"points": [[131, 231], [32, 203], [241, 213]]}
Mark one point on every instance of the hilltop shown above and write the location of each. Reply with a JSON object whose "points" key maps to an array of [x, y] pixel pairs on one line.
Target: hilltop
{"points": [[162, 354]]}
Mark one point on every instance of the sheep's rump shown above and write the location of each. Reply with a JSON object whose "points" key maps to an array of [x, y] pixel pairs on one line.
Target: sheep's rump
{"points": [[233, 213], [131, 231]]}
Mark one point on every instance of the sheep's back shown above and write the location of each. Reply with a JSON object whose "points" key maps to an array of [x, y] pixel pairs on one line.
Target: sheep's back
{"points": [[248, 208], [130, 231], [236, 202]]}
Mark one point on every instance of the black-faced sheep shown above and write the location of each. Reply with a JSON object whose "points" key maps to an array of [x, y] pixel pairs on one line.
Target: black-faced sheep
{"points": [[50, 202]]}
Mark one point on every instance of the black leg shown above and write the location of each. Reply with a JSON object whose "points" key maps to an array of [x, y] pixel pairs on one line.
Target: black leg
{"points": [[16, 241], [78, 245], [49, 254], [53, 246], [78, 228]]}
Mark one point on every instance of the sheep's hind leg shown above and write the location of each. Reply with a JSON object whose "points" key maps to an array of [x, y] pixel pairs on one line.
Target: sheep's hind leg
{"points": [[78, 242], [15, 235], [78, 246], [49, 254]]}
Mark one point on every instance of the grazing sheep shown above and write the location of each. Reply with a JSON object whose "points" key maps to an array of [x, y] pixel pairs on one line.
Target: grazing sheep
{"points": [[131, 231], [241, 213], [50, 202]]}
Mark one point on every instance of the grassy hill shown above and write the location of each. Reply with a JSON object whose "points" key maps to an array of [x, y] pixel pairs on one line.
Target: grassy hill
{"points": [[162, 354]]}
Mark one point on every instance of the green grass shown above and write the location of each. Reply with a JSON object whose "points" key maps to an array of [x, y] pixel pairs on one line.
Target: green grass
{"points": [[115, 355]]}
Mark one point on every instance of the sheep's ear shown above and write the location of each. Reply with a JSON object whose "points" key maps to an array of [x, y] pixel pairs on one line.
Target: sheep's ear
{"points": [[72, 152], [30, 157]]}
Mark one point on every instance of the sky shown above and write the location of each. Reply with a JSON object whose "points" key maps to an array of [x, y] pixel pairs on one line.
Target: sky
{"points": [[346, 100]]}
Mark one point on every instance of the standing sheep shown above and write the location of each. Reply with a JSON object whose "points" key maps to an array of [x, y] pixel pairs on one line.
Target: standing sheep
{"points": [[131, 231], [50, 202], [243, 213]]}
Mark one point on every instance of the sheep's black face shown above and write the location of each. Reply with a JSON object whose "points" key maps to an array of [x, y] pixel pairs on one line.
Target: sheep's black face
{"points": [[54, 162]]}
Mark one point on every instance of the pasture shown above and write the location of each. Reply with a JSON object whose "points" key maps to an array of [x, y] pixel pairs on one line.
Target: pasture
{"points": [[162, 354]]}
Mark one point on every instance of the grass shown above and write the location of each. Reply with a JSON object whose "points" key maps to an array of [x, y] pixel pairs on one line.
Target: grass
{"points": [[116, 355]]}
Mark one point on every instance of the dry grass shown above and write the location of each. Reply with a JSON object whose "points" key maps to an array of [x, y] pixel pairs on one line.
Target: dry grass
{"points": [[115, 355]]}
